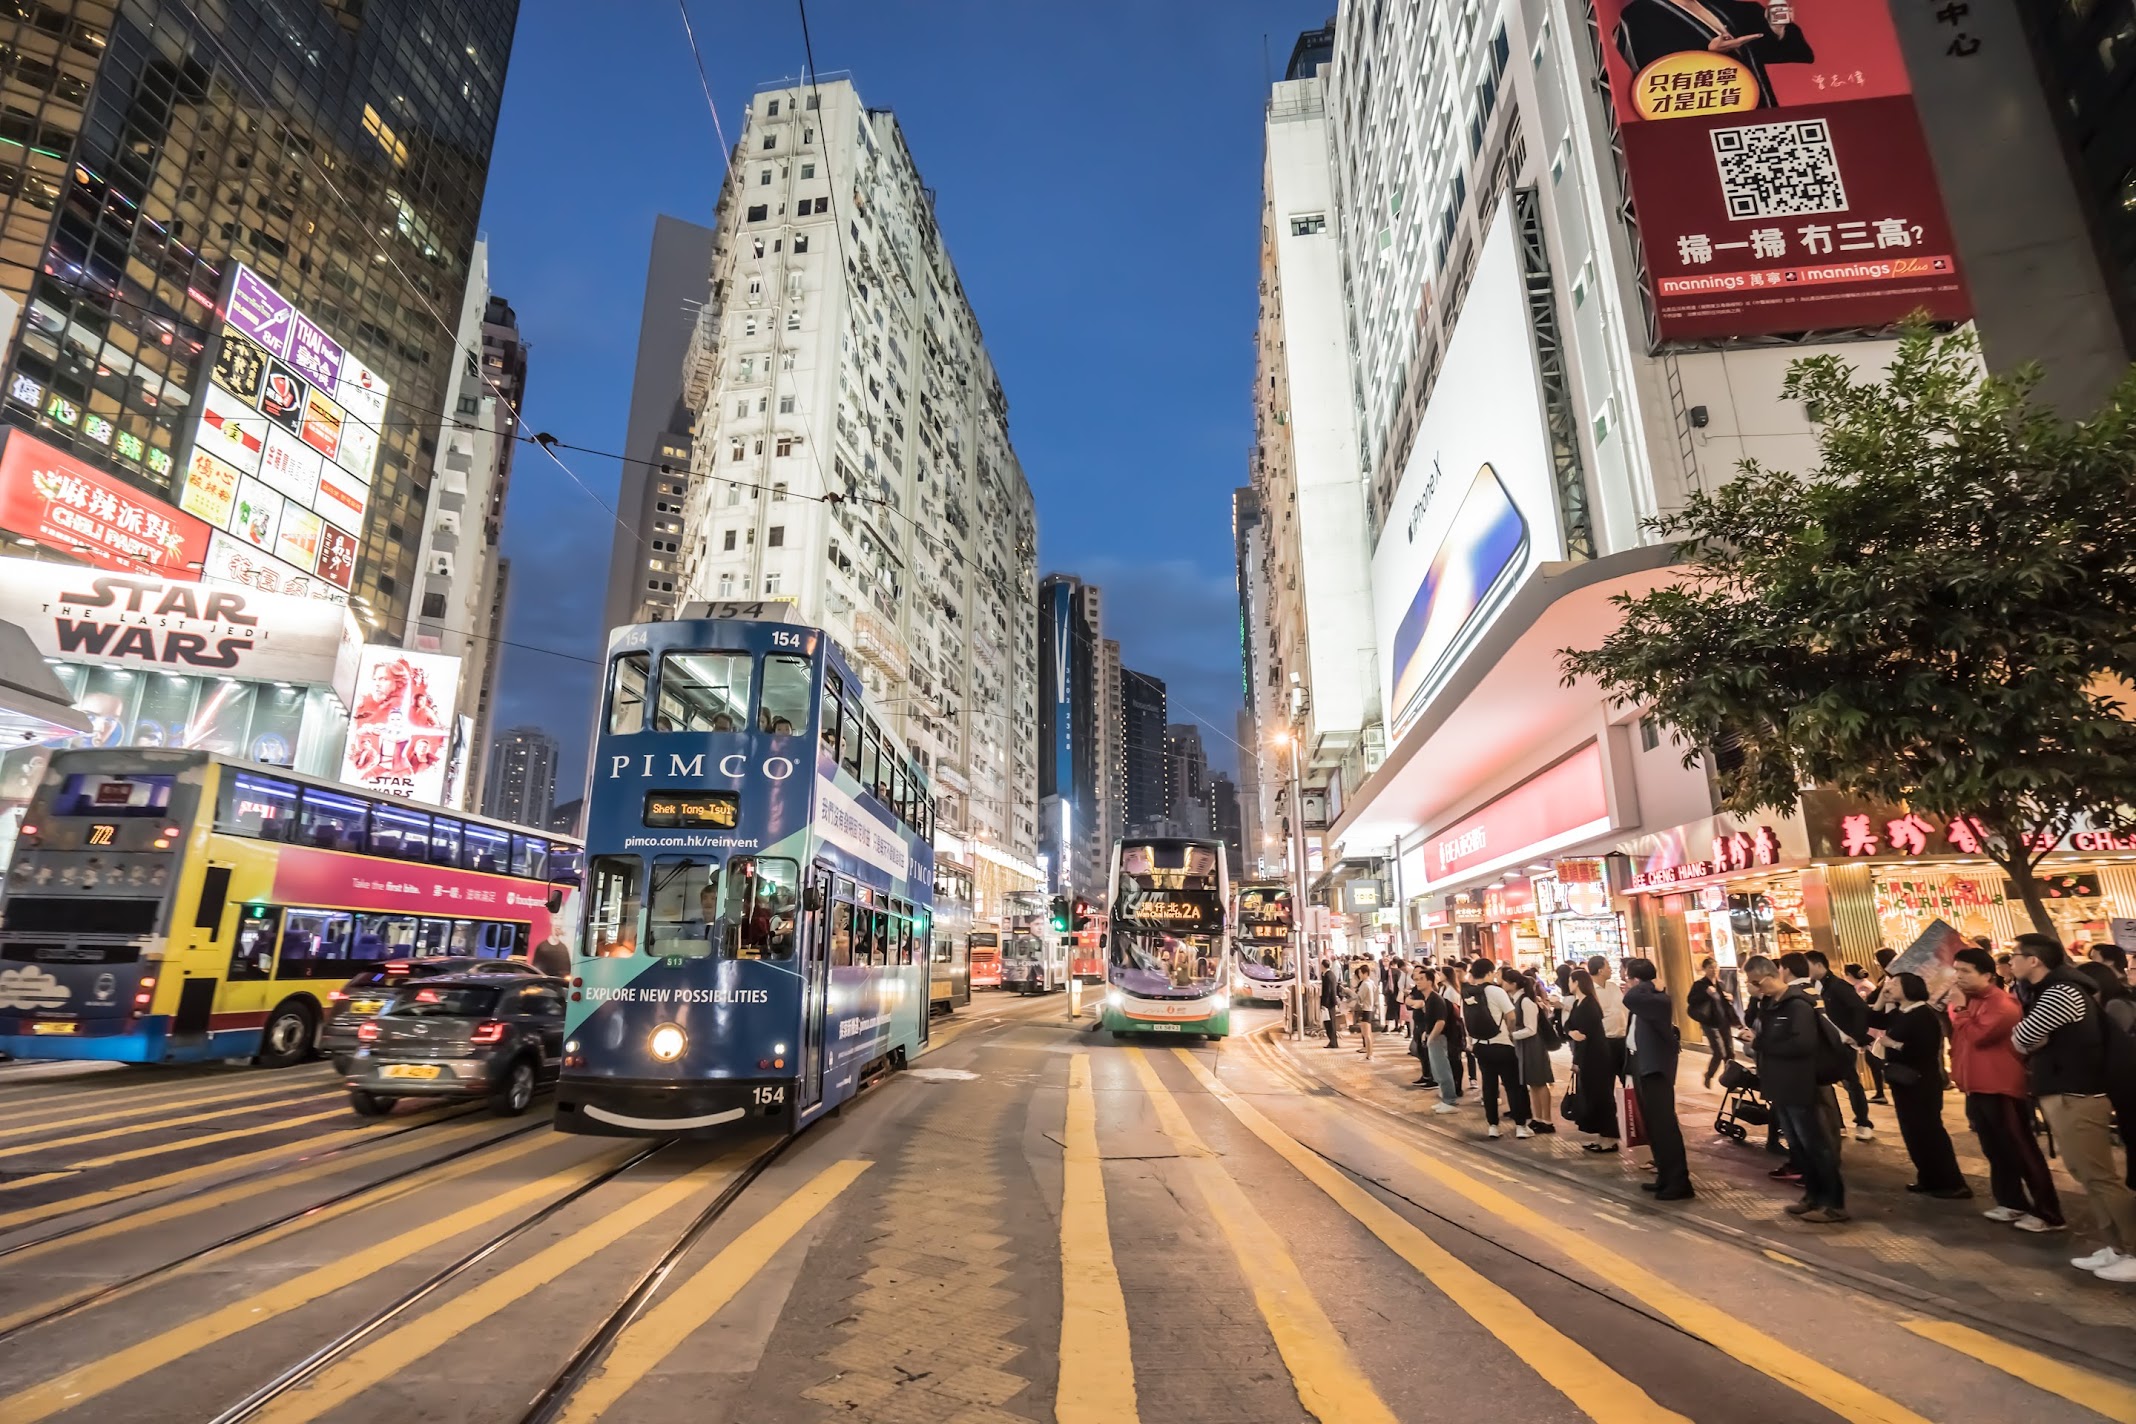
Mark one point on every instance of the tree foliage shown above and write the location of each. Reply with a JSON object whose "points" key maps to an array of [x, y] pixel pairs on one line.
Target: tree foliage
{"points": [[1942, 612]]}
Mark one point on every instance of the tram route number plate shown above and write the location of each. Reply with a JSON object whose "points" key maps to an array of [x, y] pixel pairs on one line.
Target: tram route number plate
{"points": [[411, 1070]]}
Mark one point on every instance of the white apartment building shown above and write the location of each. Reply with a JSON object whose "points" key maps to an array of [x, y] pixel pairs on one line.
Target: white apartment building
{"points": [[460, 577], [852, 453]]}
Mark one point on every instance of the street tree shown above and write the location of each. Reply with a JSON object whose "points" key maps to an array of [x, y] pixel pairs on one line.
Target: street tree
{"points": [[1942, 612]]}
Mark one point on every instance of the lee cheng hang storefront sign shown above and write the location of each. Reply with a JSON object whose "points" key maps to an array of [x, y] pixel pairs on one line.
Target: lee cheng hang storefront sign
{"points": [[1851, 830]]}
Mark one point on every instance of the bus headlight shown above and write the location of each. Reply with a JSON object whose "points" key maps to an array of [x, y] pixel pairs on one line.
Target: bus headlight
{"points": [[1115, 999], [667, 1042]]}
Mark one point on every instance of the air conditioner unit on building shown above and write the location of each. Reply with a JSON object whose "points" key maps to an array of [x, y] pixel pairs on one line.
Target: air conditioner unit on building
{"points": [[441, 565]]}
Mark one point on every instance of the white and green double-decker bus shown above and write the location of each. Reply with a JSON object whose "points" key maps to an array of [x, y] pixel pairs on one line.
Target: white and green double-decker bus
{"points": [[1165, 963]]}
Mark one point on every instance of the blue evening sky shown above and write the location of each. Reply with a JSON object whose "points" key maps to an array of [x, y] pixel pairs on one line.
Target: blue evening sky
{"points": [[1097, 168]]}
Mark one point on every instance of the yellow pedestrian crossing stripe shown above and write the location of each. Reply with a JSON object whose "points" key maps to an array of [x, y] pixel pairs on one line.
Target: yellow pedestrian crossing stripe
{"points": [[33, 1149], [137, 1104], [164, 1149], [2110, 1398]]}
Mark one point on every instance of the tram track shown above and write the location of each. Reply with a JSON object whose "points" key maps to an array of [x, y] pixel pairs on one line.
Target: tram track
{"points": [[114, 1290]]}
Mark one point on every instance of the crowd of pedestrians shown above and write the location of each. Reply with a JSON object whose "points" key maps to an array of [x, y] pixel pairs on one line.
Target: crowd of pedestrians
{"points": [[2039, 1043]]}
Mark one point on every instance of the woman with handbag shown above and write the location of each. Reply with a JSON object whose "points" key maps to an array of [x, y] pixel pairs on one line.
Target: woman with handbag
{"points": [[1365, 995], [1912, 1049], [1591, 1102]]}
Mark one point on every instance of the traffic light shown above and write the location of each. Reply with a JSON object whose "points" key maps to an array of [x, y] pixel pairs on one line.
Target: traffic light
{"points": [[1059, 914], [1083, 912]]}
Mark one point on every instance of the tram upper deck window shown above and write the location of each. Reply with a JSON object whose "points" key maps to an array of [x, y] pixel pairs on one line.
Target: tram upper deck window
{"points": [[831, 690], [850, 727], [612, 906], [703, 692], [783, 703], [626, 692], [683, 906], [761, 901]]}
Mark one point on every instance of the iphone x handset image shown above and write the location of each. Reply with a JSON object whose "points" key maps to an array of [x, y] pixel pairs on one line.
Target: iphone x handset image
{"points": [[1476, 562]]}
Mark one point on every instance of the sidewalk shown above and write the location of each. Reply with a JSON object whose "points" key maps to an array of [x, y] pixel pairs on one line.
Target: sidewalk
{"points": [[1940, 1254]]}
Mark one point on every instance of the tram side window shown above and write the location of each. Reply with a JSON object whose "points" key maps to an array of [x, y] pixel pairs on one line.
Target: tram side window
{"points": [[683, 906], [832, 689], [626, 692], [530, 857], [612, 906], [400, 833], [881, 952], [331, 821], [897, 791], [784, 706], [842, 934], [315, 944], [487, 848], [258, 806], [849, 737], [444, 840], [761, 903], [871, 748], [703, 692]]}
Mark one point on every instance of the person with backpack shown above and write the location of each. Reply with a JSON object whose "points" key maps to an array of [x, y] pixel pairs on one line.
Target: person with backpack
{"points": [[1534, 1039], [1789, 1051], [1846, 1008], [1713, 1009], [2063, 1040], [1487, 1013], [1654, 1047]]}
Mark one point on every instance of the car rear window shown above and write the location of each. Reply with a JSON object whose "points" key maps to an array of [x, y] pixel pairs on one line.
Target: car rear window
{"points": [[444, 1001]]}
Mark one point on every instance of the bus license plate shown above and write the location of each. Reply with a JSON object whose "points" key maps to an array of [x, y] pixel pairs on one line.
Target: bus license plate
{"points": [[54, 1026], [411, 1070], [1162, 1028], [366, 1006]]}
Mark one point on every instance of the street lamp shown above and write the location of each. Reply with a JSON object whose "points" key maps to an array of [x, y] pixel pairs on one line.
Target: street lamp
{"points": [[1289, 742]]}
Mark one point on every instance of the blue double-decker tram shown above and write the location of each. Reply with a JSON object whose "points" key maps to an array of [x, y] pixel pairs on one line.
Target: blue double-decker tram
{"points": [[759, 887]]}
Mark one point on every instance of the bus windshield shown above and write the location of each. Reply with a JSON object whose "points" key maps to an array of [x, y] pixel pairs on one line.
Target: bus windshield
{"points": [[1151, 962]]}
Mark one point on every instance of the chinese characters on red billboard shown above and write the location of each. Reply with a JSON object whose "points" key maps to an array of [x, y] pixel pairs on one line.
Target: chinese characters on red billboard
{"points": [[1778, 168], [54, 498]]}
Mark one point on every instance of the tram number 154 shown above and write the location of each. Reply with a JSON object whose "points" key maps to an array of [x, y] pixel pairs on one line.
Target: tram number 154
{"points": [[768, 1097]]}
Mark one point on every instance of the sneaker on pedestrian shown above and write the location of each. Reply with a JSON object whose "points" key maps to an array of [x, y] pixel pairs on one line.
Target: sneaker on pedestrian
{"points": [[2004, 1213], [1523, 1130], [2122, 1270], [1801, 1208], [1785, 1174], [1445, 1107], [2039, 1225], [2099, 1259], [1825, 1216], [1863, 1132], [1491, 1131]]}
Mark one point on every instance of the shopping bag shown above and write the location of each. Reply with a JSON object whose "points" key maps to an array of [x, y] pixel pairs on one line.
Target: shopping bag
{"points": [[1635, 1134]]}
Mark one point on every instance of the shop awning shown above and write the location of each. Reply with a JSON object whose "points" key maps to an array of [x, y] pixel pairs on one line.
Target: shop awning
{"points": [[33, 705], [1505, 713]]}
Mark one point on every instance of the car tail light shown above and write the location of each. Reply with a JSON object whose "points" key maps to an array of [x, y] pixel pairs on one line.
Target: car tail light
{"points": [[368, 1033], [338, 996], [487, 1033]]}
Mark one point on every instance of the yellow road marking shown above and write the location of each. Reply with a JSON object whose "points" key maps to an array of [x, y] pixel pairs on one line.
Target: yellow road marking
{"points": [[661, 1331], [423, 1181], [2100, 1395], [164, 1149], [66, 1206], [35, 1148], [1785, 1259], [141, 1105], [392, 1352], [1097, 1381], [1726, 1333], [77, 1386], [1330, 1385], [1271, 1059], [1592, 1386]]}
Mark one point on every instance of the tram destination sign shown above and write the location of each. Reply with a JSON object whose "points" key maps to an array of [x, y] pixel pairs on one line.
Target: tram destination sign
{"points": [[693, 810]]}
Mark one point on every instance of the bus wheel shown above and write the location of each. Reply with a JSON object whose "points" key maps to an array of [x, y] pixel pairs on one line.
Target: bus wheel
{"points": [[287, 1037]]}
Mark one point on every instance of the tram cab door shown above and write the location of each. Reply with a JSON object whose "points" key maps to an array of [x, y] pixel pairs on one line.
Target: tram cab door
{"points": [[815, 982]]}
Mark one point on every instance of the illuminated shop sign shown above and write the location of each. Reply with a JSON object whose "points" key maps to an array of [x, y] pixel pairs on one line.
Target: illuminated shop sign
{"points": [[1737, 850], [52, 497], [1556, 807]]}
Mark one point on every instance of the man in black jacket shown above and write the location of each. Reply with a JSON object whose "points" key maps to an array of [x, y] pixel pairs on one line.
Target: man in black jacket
{"points": [[1845, 1008], [1330, 1000], [1786, 1048], [1653, 1046]]}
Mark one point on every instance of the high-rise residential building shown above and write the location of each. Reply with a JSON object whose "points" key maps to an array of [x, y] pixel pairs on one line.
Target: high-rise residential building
{"points": [[337, 153], [1186, 779], [1142, 752], [1300, 531], [461, 578], [569, 819], [852, 454], [1069, 727], [520, 786], [657, 440], [1112, 769], [1264, 705], [1225, 823]]}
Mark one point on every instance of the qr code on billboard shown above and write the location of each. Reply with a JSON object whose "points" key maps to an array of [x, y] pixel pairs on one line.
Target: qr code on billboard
{"points": [[1779, 170]]}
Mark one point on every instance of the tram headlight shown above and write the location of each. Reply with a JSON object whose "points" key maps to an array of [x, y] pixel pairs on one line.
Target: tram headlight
{"points": [[667, 1043]]}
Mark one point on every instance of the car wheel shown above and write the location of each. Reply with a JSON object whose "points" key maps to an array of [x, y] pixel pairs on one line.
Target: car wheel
{"points": [[517, 1091], [369, 1104], [287, 1037]]}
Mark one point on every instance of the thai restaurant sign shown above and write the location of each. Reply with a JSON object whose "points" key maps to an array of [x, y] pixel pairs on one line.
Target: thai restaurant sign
{"points": [[1778, 168], [1556, 808], [49, 496], [284, 447]]}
